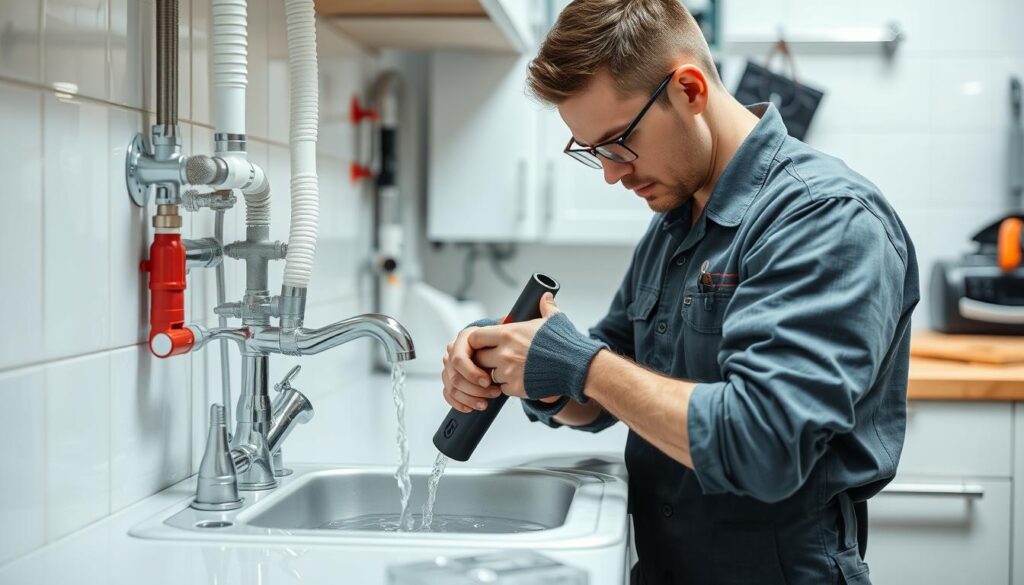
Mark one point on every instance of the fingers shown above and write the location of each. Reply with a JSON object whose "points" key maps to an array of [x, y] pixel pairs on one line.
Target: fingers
{"points": [[488, 358], [482, 337], [466, 396], [460, 359], [547, 305]]}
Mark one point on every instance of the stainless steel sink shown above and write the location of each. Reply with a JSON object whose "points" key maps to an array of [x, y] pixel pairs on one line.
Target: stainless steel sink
{"points": [[556, 508], [526, 497]]}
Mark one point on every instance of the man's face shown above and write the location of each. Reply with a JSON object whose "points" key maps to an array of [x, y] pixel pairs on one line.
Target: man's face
{"points": [[673, 145]]}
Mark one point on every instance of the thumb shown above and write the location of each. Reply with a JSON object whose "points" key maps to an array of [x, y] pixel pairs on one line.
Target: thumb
{"points": [[547, 305]]}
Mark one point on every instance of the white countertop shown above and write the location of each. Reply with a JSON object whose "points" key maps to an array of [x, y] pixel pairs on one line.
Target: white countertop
{"points": [[104, 553]]}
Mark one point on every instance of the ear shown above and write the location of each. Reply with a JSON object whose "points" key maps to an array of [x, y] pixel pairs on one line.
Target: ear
{"points": [[688, 89]]}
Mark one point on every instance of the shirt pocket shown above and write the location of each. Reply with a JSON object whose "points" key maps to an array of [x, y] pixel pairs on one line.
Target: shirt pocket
{"points": [[704, 312], [640, 313]]}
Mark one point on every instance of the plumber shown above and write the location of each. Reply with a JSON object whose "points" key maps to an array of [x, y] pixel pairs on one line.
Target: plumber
{"points": [[758, 346]]}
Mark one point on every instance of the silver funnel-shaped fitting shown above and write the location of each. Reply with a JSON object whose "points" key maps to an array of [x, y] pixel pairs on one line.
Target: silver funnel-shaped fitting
{"points": [[217, 486]]}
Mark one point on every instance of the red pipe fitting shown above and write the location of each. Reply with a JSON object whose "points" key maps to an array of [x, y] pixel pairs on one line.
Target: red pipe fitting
{"points": [[166, 267], [358, 172], [357, 113]]}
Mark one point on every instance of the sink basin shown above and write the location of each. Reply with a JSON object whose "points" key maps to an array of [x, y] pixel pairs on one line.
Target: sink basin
{"points": [[525, 507], [528, 499]]}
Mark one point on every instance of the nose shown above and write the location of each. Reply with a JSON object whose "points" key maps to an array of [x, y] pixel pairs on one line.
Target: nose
{"points": [[614, 171]]}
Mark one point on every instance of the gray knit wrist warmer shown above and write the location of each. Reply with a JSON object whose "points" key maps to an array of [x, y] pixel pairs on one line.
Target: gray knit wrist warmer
{"points": [[544, 412], [558, 360]]}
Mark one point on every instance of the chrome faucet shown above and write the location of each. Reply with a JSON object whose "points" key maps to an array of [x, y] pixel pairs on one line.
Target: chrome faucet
{"points": [[262, 428]]}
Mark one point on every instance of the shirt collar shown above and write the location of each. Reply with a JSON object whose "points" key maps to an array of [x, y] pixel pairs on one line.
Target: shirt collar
{"points": [[745, 174]]}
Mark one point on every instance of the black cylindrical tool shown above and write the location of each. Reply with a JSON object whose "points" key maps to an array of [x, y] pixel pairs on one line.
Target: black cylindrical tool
{"points": [[460, 433]]}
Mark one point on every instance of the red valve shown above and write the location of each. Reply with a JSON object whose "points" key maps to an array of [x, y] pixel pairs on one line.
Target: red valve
{"points": [[166, 267], [357, 113], [358, 172]]}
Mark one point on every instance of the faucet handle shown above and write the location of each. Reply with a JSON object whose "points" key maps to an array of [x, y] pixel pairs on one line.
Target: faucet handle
{"points": [[286, 383]]}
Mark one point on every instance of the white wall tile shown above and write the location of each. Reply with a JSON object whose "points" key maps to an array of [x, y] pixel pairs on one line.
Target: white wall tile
{"points": [[75, 45], [278, 97], [75, 253], [256, 95], [279, 174], [21, 228], [20, 39], [77, 443], [202, 62], [987, 28], [131, 38], [150, 424], [967, 94], [23, 432], [967, 169]]}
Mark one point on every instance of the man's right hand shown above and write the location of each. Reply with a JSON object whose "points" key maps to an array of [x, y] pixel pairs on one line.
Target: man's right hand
{"points": [[467, 387]]}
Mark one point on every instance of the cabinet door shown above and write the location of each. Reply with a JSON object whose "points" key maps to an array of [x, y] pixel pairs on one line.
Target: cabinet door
{"points": [[940, 538], [482, 149], [580, 207], [1018, 494]]}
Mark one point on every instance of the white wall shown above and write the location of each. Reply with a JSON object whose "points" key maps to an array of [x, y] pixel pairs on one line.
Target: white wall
{"points": [[91, 421]]}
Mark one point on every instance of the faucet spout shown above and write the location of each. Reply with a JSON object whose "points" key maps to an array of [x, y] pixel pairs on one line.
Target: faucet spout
{"points": [[390, 333]]}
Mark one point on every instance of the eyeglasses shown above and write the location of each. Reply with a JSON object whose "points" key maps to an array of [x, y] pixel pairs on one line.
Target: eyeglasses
{"points": [[615, 149]]}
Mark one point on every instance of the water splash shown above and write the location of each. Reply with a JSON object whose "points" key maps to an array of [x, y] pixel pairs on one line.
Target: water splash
{"points": [[405, 520], [435, 478]]}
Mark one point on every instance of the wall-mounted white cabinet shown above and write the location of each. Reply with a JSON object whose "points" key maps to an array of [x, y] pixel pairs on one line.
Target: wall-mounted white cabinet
{"points": [[490, 25], [496, 167], [482, 149]]}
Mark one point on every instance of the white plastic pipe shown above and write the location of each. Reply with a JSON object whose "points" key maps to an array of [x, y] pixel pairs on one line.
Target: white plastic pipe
{"points": [[305, 119], [229, 65], [230, 79]]}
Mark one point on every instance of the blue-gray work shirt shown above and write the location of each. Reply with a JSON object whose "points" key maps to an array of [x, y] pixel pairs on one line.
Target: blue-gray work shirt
{"points": [[798, 337]]}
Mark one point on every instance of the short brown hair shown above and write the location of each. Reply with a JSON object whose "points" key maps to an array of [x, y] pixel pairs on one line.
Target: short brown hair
{"points": [[635, 40]]}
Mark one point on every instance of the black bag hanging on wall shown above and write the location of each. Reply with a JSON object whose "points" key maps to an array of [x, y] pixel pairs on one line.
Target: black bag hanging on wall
{"points": [[796, 101]]}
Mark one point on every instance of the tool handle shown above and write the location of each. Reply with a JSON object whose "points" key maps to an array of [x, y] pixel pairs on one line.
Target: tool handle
{"points": [[460, 432]]}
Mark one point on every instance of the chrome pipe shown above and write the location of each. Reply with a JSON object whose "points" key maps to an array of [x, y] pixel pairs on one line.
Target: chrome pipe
{"points": [[167, 65], [222, 321], [252, 423]]}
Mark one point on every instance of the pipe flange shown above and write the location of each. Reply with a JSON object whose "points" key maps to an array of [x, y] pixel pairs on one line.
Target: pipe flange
{"points": [[137, 190]]}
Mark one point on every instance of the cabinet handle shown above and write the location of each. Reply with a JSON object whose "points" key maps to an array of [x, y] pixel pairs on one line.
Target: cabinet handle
{"points": [[549, 192], [963, 490], [521, 190]]}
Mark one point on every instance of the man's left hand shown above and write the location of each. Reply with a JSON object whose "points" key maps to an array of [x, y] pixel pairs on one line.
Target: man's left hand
{"points": [[503, 348]]}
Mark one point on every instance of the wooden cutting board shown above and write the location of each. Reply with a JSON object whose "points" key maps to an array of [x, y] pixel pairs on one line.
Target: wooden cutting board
{"points": [[981, 349]]}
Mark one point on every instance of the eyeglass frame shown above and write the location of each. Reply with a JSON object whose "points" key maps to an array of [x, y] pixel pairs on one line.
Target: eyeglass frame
{"points": [[620, 140]]}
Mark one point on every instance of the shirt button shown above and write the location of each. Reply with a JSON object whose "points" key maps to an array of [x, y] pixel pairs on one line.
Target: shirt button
{"points": [[680, 260], [666, 510], [662, 327]]}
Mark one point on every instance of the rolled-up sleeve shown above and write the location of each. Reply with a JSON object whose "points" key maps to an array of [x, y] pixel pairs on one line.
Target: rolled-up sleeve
{"points": [[804, 337]]}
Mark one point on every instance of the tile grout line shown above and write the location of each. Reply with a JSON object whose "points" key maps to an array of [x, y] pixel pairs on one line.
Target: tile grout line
{"points": [[147, 112]]}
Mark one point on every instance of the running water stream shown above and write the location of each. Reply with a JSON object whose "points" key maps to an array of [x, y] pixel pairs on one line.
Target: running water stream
{"points": [[405, 520], [435, 478]]}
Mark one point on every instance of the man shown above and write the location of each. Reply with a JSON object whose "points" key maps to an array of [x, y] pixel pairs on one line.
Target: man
{"points": [[758, 346]]}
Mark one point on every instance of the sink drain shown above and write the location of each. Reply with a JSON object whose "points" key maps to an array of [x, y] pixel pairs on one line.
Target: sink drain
{"points": [[214, 524]]}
